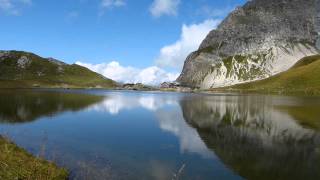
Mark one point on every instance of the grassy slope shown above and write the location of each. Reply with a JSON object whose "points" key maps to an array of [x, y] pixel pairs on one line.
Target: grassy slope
{"points": [[302, 78], [16, 163], [73, 76]]}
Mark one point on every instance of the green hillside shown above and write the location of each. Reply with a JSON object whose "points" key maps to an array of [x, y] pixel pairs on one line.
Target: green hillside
{"points": [[25, 70], [302, 78]]}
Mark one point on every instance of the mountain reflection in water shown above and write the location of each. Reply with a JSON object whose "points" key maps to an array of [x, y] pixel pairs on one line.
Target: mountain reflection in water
{"points": [[139, 135], [18, 106], [255, 138], [258, 137]]}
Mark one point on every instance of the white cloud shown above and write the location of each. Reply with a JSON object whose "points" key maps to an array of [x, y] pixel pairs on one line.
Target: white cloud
{"points": [[108, 4], [164, 7], [174, 122], [112, 3], [174, 55], [116, 103], [13, 7], [151, 75]]}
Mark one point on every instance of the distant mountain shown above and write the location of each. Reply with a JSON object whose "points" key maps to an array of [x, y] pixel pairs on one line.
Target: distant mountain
{"points": [[303, 78], [20, 69], [256, 41]]}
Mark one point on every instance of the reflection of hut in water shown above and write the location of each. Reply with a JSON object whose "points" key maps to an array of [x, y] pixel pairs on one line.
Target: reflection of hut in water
{"points": [[254, 139]]}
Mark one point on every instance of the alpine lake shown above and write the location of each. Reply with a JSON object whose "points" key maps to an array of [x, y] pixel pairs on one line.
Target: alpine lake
{"points": [[100, 134]]}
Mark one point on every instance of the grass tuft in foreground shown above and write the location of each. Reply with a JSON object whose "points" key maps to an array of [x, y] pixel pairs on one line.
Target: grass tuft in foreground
{"points": [[16, 163]]}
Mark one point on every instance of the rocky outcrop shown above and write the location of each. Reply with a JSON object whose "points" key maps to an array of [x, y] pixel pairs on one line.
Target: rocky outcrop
{"points": [[23, 61], [256, 41]]}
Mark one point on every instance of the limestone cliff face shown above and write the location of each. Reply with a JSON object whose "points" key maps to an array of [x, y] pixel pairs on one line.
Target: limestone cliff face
{"points": [[256, 41]]}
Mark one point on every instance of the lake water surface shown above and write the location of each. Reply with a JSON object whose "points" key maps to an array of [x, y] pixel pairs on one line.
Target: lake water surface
{"points": [[153, 135]]}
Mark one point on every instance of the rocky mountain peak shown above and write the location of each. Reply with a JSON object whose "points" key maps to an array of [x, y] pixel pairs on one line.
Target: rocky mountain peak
{"points": [[266, 21], [255, 41]]}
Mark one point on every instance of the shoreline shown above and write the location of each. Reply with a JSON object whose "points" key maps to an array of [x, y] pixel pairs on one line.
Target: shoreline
{"points": [[17, 163], [280, 92]]}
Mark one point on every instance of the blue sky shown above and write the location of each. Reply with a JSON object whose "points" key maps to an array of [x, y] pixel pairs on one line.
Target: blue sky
{"points": [[131, 35]]}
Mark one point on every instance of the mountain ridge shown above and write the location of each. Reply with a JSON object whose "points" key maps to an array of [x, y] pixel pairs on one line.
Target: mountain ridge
{"points": [[20, 69]]}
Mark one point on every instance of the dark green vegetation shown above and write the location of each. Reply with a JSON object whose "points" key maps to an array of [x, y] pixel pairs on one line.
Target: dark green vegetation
{"points": [[16, 163], [26, 106], [302, 78], [26, 70]]}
